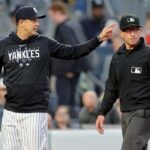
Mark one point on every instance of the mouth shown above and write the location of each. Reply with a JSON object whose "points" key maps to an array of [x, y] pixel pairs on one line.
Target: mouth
{"points": [[133, 39], [35, 30]]}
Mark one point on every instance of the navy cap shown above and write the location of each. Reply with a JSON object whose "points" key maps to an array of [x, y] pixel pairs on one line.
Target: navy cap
{"points": [[14, 9], [129, 21], [27, 12]]}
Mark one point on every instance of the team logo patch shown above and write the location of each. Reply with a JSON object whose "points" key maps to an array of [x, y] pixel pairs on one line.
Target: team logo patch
{"points": [[130, 20], [136, 70], [24, 55], [35, 10]]}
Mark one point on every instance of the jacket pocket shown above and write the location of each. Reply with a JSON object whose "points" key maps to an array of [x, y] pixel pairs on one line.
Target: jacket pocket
{"points": [[27, 94]]}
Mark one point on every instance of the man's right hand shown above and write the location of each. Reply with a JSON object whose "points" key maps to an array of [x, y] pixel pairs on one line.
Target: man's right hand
{"points": [[100, 124]]}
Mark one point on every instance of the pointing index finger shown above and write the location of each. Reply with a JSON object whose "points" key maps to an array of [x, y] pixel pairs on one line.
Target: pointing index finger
{"points": [[112, 25]]}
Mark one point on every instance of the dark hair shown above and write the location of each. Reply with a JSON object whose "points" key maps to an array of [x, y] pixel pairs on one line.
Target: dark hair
{"points": [[64, 107]]}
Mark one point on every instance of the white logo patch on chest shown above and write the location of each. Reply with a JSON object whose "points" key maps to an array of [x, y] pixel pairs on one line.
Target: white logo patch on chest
{"points": [[136, 70], [24, 55]]}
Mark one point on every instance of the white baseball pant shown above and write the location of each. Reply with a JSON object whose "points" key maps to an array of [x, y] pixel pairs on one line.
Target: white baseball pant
{"points": [[24, 131]]}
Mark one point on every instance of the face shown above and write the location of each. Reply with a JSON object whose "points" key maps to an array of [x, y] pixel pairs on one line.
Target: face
{"points": [[62, 116], [55, 16], [30, 26], [90, 101], [131, 36], [98, 12]]}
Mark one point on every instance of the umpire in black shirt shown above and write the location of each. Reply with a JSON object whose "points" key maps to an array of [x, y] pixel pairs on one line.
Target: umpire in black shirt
{"points": [[129, 80]]}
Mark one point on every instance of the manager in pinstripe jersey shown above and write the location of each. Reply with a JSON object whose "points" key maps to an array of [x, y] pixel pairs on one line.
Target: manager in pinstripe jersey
{"points": [[25, 56]]}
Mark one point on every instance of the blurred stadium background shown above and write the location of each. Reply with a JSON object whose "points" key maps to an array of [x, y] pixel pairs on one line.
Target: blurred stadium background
{"points": [[72, 118]]}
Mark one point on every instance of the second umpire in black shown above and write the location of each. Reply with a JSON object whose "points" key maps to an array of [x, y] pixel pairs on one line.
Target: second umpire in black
{"points": [[129, 80]]}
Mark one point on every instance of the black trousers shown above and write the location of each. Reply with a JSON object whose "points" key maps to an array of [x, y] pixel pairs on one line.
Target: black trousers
{"points": [[136, 129]]}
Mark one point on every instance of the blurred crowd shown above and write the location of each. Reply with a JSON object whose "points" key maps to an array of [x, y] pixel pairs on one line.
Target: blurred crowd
{"points": [[77, 86]]}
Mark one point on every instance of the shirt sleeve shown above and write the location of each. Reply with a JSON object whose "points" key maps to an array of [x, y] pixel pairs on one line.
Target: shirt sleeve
{"points": [[110, 93], [63, 51]]}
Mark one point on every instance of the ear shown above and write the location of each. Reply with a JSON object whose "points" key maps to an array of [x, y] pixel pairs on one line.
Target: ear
{"points": [[20, 22], [141, 32]]}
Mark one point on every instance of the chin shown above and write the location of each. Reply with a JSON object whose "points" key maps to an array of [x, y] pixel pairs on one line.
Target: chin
{"points": [[135, 42], [34, 33]]}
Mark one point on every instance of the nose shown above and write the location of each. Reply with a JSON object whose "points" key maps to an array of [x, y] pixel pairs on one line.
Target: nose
{"points": [[37, 23], [132, 32]]}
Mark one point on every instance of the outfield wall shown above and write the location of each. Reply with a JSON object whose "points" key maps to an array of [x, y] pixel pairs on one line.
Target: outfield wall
{"points": [[84, 140]]}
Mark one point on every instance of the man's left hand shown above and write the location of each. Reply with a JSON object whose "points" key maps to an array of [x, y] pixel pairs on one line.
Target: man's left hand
{"points": [[106, 33]]}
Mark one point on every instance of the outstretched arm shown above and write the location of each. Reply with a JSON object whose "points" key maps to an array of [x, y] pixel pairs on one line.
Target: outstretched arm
{"points": [[62, 51]]}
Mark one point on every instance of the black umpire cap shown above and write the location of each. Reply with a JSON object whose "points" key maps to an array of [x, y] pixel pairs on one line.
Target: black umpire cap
{"points": [[129, 21], [27, 12]]}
